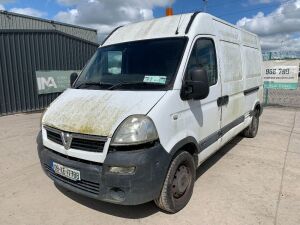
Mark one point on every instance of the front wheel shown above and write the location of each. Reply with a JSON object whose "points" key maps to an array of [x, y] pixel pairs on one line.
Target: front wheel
{"points": [[252, 129], [179, 183]]}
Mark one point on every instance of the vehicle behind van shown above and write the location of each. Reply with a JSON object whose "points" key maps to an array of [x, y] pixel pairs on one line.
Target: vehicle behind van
{"points": [[154, 102]]}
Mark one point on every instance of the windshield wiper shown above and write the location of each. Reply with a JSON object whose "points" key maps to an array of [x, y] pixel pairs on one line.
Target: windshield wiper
{"points": [[91, 83], [135, 83]]}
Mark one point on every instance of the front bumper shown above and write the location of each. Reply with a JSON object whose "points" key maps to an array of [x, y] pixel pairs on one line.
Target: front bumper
{"points": [[98, 183]]}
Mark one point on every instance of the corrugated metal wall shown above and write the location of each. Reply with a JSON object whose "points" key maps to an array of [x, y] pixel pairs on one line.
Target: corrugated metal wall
{"points": [[23, 52], [9, 20]]}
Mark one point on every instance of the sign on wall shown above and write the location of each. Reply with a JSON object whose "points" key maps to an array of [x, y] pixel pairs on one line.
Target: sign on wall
{"points": [[53, 81], [281, 74]]}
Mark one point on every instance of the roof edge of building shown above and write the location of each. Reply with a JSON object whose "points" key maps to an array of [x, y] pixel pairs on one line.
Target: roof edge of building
{"points": [[46, 20]]}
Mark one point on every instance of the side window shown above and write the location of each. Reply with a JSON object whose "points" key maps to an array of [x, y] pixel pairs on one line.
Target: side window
{"points": [[204, 55]]}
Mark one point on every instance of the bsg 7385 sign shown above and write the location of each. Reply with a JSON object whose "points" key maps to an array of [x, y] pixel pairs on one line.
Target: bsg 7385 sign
{"points": [[281, 74]]}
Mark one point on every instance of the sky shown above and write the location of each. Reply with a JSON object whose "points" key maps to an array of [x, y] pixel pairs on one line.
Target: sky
{"points": [[277, 22]]}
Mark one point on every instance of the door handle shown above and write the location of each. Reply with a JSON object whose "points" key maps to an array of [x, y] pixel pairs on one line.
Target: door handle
{"points": [[226, 99], [223, 100]]}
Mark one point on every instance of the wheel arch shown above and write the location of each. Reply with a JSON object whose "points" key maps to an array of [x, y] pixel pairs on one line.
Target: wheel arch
{"points": [[258, 107], [188, 144]]}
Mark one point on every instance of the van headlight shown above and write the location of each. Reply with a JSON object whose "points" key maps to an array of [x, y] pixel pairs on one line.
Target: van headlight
{"points": [[134, 130], [41, 118]]}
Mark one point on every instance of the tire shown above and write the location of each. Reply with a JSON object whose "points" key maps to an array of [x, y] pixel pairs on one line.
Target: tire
{"points": [[179, 184], [251, 130]]}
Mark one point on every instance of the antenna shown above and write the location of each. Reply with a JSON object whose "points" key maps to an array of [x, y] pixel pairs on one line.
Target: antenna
{"points": [[205, 5], [179, 24]]}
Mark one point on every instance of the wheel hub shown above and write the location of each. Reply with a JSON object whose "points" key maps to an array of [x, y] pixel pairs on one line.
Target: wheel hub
{"points": [[181, 181]]}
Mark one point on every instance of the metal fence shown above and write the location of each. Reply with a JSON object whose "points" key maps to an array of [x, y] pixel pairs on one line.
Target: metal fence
{"points": [[278, 97], [287, 98], [22, 52], [280, 55]]}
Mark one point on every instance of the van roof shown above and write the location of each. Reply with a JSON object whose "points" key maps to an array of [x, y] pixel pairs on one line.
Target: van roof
{"points": [[169, 26], [149, 29]]}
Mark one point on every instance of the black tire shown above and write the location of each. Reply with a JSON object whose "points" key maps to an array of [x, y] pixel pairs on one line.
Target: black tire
{"points": [[251, 130], [179, 184]]}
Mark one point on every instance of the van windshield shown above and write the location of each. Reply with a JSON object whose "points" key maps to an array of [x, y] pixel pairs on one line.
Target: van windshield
{"points": [[148, 64]]}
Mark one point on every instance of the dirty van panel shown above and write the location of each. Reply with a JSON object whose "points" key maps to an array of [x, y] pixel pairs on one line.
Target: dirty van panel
{"points": [[249, 39], [252, 63], [252, 75], [233, 83], [234, 109], [96, 113], [232, 64], [226, 31], [200, 119]]}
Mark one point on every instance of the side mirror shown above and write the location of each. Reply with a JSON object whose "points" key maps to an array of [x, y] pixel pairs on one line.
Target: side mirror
{"points": [[73, 77], [196, 86]]}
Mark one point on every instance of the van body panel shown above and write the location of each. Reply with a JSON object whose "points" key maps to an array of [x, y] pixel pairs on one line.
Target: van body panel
{"points": [[232, 77], [97, 112], [240, 59], [181, 119], [235, 130], [98, 183], [208, 123], [202, 25]]}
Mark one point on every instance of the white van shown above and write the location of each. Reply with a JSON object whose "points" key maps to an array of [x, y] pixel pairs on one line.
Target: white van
{"points": [[154, 102]]}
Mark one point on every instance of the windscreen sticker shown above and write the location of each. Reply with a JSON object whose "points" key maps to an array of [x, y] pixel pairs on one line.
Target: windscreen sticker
{"points": [[155, 79]]}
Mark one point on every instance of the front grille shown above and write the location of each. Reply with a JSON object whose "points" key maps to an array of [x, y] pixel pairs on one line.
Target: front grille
{"points": [[87, 145], [55, 137], [84, 185], [83, 142]]}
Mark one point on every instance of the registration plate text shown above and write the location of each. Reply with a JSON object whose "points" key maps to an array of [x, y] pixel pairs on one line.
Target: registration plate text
{"points": [[66, 171]]}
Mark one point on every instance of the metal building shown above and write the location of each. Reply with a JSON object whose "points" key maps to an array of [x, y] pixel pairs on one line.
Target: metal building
{"points": [[29, 44]]}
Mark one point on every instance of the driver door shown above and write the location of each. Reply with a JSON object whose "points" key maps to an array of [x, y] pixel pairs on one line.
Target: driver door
{"points": [[206, 111]]}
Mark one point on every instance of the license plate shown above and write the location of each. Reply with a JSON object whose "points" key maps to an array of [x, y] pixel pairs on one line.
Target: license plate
{"points": [[66, 171]]}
